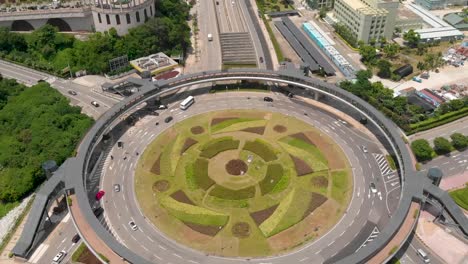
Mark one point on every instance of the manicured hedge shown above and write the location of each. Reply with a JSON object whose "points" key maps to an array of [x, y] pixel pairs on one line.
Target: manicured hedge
{"points": [[218, 145], [228, 194], [273, 176], [197, 175], [262, 149], [193, 214], [438, 121]]}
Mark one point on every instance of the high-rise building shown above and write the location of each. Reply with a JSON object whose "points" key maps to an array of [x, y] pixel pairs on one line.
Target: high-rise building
{"points": [[367, 19]]}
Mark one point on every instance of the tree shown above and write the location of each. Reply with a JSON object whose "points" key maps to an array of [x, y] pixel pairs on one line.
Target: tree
{"points": [[421, 149], [459, 141], [368, 54], [442, 145], [412, 38], [384, 68], [323, 12], [391, 50], [421, 66]]}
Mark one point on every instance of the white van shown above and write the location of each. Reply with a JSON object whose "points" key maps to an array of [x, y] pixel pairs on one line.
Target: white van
{"points": [[424, 256], [187, 102]]}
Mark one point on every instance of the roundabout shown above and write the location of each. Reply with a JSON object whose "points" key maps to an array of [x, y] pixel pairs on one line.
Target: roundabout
{"points": [[345, 240], [241, 189]]}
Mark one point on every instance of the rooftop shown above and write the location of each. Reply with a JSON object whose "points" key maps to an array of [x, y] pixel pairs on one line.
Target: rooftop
{"points": [[405, 13]]}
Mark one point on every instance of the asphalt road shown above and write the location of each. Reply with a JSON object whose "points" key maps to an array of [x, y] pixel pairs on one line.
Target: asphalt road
{"points": [[411, 255], [230, 16], [459, 126], [453, 164], [84, 94], [121, 207], [210, 51]]}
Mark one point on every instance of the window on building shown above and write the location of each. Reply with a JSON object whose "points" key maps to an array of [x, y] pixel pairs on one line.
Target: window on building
{"points": [[128, 18], [146, 14], [108, 19], [138, 16], [117, 19], [99, 18], [151, 10]]}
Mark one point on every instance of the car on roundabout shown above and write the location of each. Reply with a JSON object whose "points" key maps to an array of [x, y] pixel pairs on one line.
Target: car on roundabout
{"points": [[132, 225]]}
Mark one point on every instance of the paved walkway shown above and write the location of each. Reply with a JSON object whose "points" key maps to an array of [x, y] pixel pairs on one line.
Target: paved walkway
{"points": [[4, 259], [399, 238], [88, 234], [454, 182]]}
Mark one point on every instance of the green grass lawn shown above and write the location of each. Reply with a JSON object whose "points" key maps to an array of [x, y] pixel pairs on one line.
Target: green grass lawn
{"points": [[221, 199], [460, 197], [7, 207]]}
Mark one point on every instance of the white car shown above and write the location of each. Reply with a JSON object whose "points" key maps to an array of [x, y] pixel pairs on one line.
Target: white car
{"points": [[364, 149], [132, 225], [372, 188], [59, 257]]}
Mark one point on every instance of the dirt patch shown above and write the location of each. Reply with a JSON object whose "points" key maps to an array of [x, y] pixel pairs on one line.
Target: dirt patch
{"points": [[187, 144], [88, 257], [315, 202], [319, 182], [260, 216], [206, 230], [156, 168], [302, 168], [303, 137], [196, 130], [180, 196], [280, 129], [218, 120], [236, 167], [241, 230], [161, 186], [335, 157], [256, 130]]}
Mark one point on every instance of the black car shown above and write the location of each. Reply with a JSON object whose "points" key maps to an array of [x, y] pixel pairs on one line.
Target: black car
{"points": [[168, 119], [261, 59], [76, 238], [72, 92], [267, 99], [98, 211]]}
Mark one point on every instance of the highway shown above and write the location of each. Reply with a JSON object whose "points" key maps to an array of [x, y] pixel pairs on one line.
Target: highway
{"points": [[121, 207], [84, 94], [458, 126], [210, 51], [453, 164]]}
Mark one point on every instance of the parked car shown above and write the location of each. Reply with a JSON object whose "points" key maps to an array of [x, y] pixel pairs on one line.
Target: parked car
{"points": [[116, 187], [72, 92], [168, 119], [100, 194], [76, 238], [132, 225], [96, 104], [162, 107], [59, 257], [267, 99]]}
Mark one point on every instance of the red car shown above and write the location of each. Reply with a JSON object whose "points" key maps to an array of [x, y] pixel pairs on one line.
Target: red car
{"points": [[100, 194]]}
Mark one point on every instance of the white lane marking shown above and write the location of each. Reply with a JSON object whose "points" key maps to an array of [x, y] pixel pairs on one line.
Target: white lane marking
{"points": [[144, 248], [331, 243], [150, 239], [304, 259], [66, 218], [38, 253], [193, 261], [156, 256], [179, 256], [161, 247]]}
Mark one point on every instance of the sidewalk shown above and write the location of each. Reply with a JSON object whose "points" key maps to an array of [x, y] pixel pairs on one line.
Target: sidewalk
{"points": [[4, 259], [89, 236], [454, 182]]}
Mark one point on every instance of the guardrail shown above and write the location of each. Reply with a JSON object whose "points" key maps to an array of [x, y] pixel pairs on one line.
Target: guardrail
{"points": [[152, 90]]}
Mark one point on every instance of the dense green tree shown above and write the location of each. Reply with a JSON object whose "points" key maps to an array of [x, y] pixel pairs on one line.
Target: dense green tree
{"points": [[368, 54], [391, 50], [38, 124], [459, 141], [442, 145], [421, 149], [384, 68], [412, 38], [323, 12]]}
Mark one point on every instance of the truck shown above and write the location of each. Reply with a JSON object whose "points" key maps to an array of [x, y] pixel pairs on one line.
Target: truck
{"points": [[210, 37]]}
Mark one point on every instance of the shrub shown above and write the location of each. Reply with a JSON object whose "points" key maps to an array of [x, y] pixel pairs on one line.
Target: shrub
{"points": [[459, 141], [393, 250], [421, 149], [415, 213], [225, 193], [197, 175], [218, 145], [70, 201], [78, 252], [442, 145], [103, 258], [391, 162], [262, 149]]}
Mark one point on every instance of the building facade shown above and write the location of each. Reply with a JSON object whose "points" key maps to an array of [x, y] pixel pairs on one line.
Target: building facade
{"points": [[86, 15], [440, 4], [367, 19]]}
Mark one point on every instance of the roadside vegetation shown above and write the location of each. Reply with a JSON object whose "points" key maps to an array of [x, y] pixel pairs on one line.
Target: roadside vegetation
{"points": [[37, 124], [47, 50], [442, 146], [411, 118], [460, 197]]}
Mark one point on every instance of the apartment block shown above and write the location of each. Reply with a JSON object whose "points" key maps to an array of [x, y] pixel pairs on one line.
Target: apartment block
{"points": [[367, 19]]}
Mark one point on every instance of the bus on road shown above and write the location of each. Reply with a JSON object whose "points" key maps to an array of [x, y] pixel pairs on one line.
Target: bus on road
{"points": [[187, 102]]}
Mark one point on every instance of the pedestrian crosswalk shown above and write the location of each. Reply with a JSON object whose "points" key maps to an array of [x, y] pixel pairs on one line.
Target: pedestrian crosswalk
{"points": [[383, 164], [372, 236]]}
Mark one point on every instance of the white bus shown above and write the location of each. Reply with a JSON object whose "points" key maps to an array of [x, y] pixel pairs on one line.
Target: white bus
{"points": [[187, 102]]}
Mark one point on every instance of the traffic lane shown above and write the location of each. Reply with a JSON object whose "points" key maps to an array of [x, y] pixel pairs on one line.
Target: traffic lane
{"points": [[22, 73], [451, 165], [61, 239], [130, 183], [84, 92], [458, 126], [409, 251], [210, 57]]}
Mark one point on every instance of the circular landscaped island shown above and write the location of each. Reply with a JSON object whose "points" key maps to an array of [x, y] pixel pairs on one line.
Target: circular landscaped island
{"points": [[243, 183]]}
